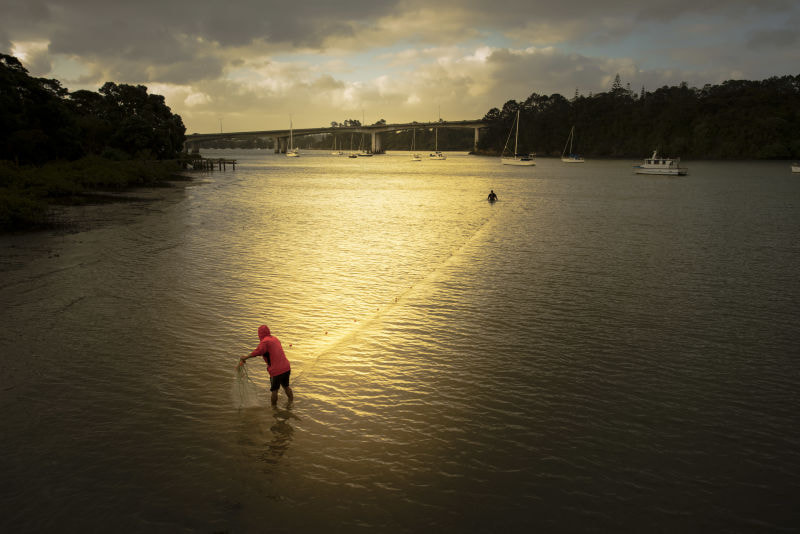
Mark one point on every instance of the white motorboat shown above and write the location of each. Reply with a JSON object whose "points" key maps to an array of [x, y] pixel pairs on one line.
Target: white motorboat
{"points": [[661, 165]]}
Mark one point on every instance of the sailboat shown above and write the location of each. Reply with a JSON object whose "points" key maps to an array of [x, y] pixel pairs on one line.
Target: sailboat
{"points": [[414, 155], [571, 158], [336, 152], [518, 159], [291, 152], [352, 154], [436, 154], [363, 152]]}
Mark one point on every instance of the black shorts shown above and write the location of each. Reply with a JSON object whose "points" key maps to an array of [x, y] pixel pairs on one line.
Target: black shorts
{"points": [[275, 382]]}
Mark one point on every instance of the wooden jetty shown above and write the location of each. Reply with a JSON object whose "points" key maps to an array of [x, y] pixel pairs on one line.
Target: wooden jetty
{"points": [[210, 164]]}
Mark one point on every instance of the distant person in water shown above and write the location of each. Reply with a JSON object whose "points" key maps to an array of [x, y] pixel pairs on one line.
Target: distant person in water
{"points": [[492, 196], [277, 363]]}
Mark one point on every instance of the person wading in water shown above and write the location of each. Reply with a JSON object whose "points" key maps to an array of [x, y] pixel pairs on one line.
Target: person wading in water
{"points": [[277, 363]]}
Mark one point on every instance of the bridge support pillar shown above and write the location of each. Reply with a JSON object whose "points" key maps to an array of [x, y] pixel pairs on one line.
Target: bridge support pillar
{"points": [[477, 136], [376, 143]]}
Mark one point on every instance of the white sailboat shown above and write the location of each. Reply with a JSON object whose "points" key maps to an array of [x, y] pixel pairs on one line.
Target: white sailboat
{"points": [[291, 152], [415, 156], [336, 152], [795, 167], [571, 158], [436, 154], [518, 159]]}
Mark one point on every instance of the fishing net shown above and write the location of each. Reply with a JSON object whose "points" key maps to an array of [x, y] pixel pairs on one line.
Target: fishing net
{"points": [[244, 392]]}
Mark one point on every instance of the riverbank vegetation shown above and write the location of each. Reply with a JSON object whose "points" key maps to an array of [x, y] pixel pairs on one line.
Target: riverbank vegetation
{"points": [[738, 119], [27, 191], [56, 145]]}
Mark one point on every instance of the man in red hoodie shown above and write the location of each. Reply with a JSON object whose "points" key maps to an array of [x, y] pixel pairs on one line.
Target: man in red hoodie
{"points": [[277, 363]]}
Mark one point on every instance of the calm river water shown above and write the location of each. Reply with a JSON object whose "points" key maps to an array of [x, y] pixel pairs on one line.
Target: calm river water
{"points": [[597, 351]]}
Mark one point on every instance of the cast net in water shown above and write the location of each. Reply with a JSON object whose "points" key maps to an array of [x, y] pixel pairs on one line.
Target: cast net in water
{"points": [[244, 392]]}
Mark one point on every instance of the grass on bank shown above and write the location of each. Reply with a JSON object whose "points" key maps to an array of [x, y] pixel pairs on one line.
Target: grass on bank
{"points": [[26, 192]]}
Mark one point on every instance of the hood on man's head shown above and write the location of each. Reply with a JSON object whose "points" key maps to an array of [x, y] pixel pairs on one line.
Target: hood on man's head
{"points": [[263, 331]]}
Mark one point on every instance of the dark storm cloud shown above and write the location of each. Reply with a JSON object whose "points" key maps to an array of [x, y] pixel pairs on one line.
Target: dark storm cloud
{"points": [[785, 38], [131, 37], [156, 32], [81, 25], [147, 27]]}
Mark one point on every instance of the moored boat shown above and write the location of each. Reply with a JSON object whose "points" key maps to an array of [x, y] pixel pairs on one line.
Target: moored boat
{"points": [[571, 157], [436, 154], [661, 165], [518, 159], [415, 156], [795, 167], [291, 152]]}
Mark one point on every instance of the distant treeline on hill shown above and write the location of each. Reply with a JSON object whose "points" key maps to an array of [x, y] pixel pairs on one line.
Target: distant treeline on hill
{"points": [[737, 119], [41, 121]]}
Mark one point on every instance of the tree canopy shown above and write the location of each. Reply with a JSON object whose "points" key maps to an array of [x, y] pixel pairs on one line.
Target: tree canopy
{"points": [[42, 121], [733, 120]]}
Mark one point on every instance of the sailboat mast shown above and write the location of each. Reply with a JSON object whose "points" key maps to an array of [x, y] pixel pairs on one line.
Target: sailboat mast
{"points": [[571, 135], [516, 136]]}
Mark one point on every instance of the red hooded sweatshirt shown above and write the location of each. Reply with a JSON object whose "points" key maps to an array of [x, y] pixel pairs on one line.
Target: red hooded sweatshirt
{"points": [[272, 351]]}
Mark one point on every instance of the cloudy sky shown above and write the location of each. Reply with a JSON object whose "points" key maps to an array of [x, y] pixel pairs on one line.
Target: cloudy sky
{"points": [[249, 64]]}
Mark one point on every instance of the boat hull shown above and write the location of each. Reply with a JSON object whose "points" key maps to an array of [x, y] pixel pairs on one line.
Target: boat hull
{"points": [[518, 162], [663, 172], [795, 168], [572, 160]]}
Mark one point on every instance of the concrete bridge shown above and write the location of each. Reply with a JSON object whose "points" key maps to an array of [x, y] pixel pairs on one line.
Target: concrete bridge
{"points": [[280, 138]]}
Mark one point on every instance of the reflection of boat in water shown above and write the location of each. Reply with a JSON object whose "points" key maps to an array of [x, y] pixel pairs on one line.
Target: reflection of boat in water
{"points": [[661, 165], [518, 159], [571, 158]]}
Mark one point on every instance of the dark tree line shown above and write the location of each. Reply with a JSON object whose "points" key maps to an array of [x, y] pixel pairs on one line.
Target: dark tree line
{"points": [[41, 121], [734, 120]]}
